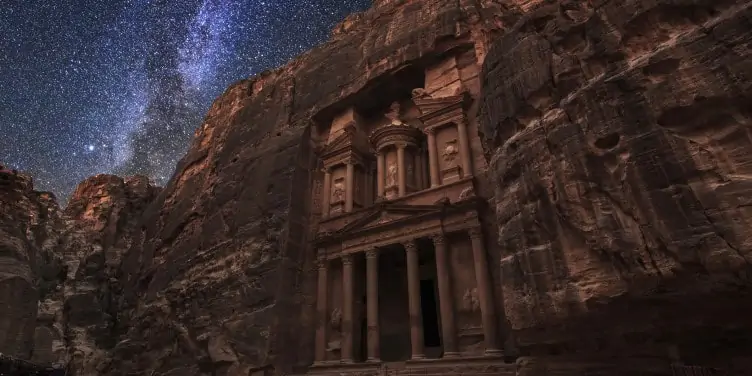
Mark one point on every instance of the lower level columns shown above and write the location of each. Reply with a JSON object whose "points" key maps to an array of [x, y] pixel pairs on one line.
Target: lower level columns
{"points": [[485, 293], [347, 310], [413, 290], [446, 301], [372, 303], [322, 310]]}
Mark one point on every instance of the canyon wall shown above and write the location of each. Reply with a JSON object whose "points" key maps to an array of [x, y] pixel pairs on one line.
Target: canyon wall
{"points": [[619, 136], [222, 279]]}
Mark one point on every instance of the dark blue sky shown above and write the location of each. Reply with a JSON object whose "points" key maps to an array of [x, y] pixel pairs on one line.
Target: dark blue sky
{"points": [[119, 86]]}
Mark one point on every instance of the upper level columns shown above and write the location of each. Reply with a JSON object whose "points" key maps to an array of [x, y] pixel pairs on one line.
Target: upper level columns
{"points": [[380, 166], [325, 203], [485, 292], [401, 169], [465, 155], [349, 185], [433, 158]]}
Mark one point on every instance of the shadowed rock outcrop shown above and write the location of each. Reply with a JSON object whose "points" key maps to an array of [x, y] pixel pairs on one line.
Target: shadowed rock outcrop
{"points": [[619, 135]]}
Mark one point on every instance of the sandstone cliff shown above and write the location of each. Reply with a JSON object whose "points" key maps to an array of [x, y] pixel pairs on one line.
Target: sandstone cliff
{"points": [[617, 136], [618, 132], [222, 280], [59, 268]]}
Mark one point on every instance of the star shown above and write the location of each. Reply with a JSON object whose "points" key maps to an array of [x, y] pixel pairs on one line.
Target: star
{"points": [[131, 80]]}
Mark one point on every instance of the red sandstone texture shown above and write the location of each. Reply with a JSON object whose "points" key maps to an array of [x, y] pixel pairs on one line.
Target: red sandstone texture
{"points": [[617, 137]]}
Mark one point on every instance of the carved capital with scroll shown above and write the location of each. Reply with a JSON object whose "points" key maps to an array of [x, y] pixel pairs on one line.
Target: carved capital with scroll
{"points": [[438, 239], [410, 246], [475, 233], [372, 253], [322, 262], [347, 259]]}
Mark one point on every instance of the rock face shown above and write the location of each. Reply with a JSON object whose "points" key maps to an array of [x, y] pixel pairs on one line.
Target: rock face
{"points": [[24, 219], [58, 267], [618, 145], [217, 284], [619, 136]]}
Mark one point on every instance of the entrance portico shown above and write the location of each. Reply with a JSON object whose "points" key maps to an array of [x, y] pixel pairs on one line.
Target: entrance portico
{"points": [[413, 231]]}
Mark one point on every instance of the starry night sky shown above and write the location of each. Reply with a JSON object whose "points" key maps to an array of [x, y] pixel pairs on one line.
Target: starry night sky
{"points": [[119, 86]]}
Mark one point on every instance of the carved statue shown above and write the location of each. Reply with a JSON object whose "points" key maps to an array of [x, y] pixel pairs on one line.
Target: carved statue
{"points": [[470, 301], [338, 193], [450, 152], [393, 114], [336, 319], [391, 175]]}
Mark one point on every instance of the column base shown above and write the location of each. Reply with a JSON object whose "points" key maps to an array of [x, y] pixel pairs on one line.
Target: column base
{"points": [[373, 360], [347, 361], [493, 352], [418, 357], [452, 354]]}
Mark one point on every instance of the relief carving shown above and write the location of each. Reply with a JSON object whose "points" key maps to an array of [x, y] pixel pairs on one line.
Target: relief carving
{"points": [[450, 153], [470, 302], [338, 191], [336, 319], [393, 114], [391, 175]]}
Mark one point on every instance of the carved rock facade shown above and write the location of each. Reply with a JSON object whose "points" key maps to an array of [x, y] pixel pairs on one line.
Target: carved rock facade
{"points": [[619, 139]]}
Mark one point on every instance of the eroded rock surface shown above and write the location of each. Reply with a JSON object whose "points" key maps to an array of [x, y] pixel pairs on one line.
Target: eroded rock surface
{"points": [[619, 135], [222, 281], [59, 268]]}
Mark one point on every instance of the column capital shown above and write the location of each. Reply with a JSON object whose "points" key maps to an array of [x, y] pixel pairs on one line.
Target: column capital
{"points": [[429, 131], [475, 233], [410, 245], [347, 259], [372, 253], [322, 262], [401, 145], [438, 239], [326, 169]]}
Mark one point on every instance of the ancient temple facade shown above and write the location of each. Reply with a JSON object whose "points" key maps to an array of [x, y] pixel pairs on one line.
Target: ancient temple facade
{"points": [[399, 216]]}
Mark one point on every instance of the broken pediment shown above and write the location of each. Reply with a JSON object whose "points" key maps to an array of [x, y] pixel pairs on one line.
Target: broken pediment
{"points": [[431, 107], [349, 140]]}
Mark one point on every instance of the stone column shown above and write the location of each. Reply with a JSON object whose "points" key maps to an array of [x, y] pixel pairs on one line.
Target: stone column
{"points": [[413, 291], [446, 298], [325, 204], [380, 169], [485, 292], [347, 310], [349, 185], [401, 169], [322, 310], [465, 154], [433, 158], [418, 170], [372, 303]]}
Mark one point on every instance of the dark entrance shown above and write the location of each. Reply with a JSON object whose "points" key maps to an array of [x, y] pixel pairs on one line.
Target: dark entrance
{"points": [[431, 336]]}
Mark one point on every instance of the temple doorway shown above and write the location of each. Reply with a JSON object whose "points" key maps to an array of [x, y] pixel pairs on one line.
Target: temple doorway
{"points": [[394, 318], [429, 302]]}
